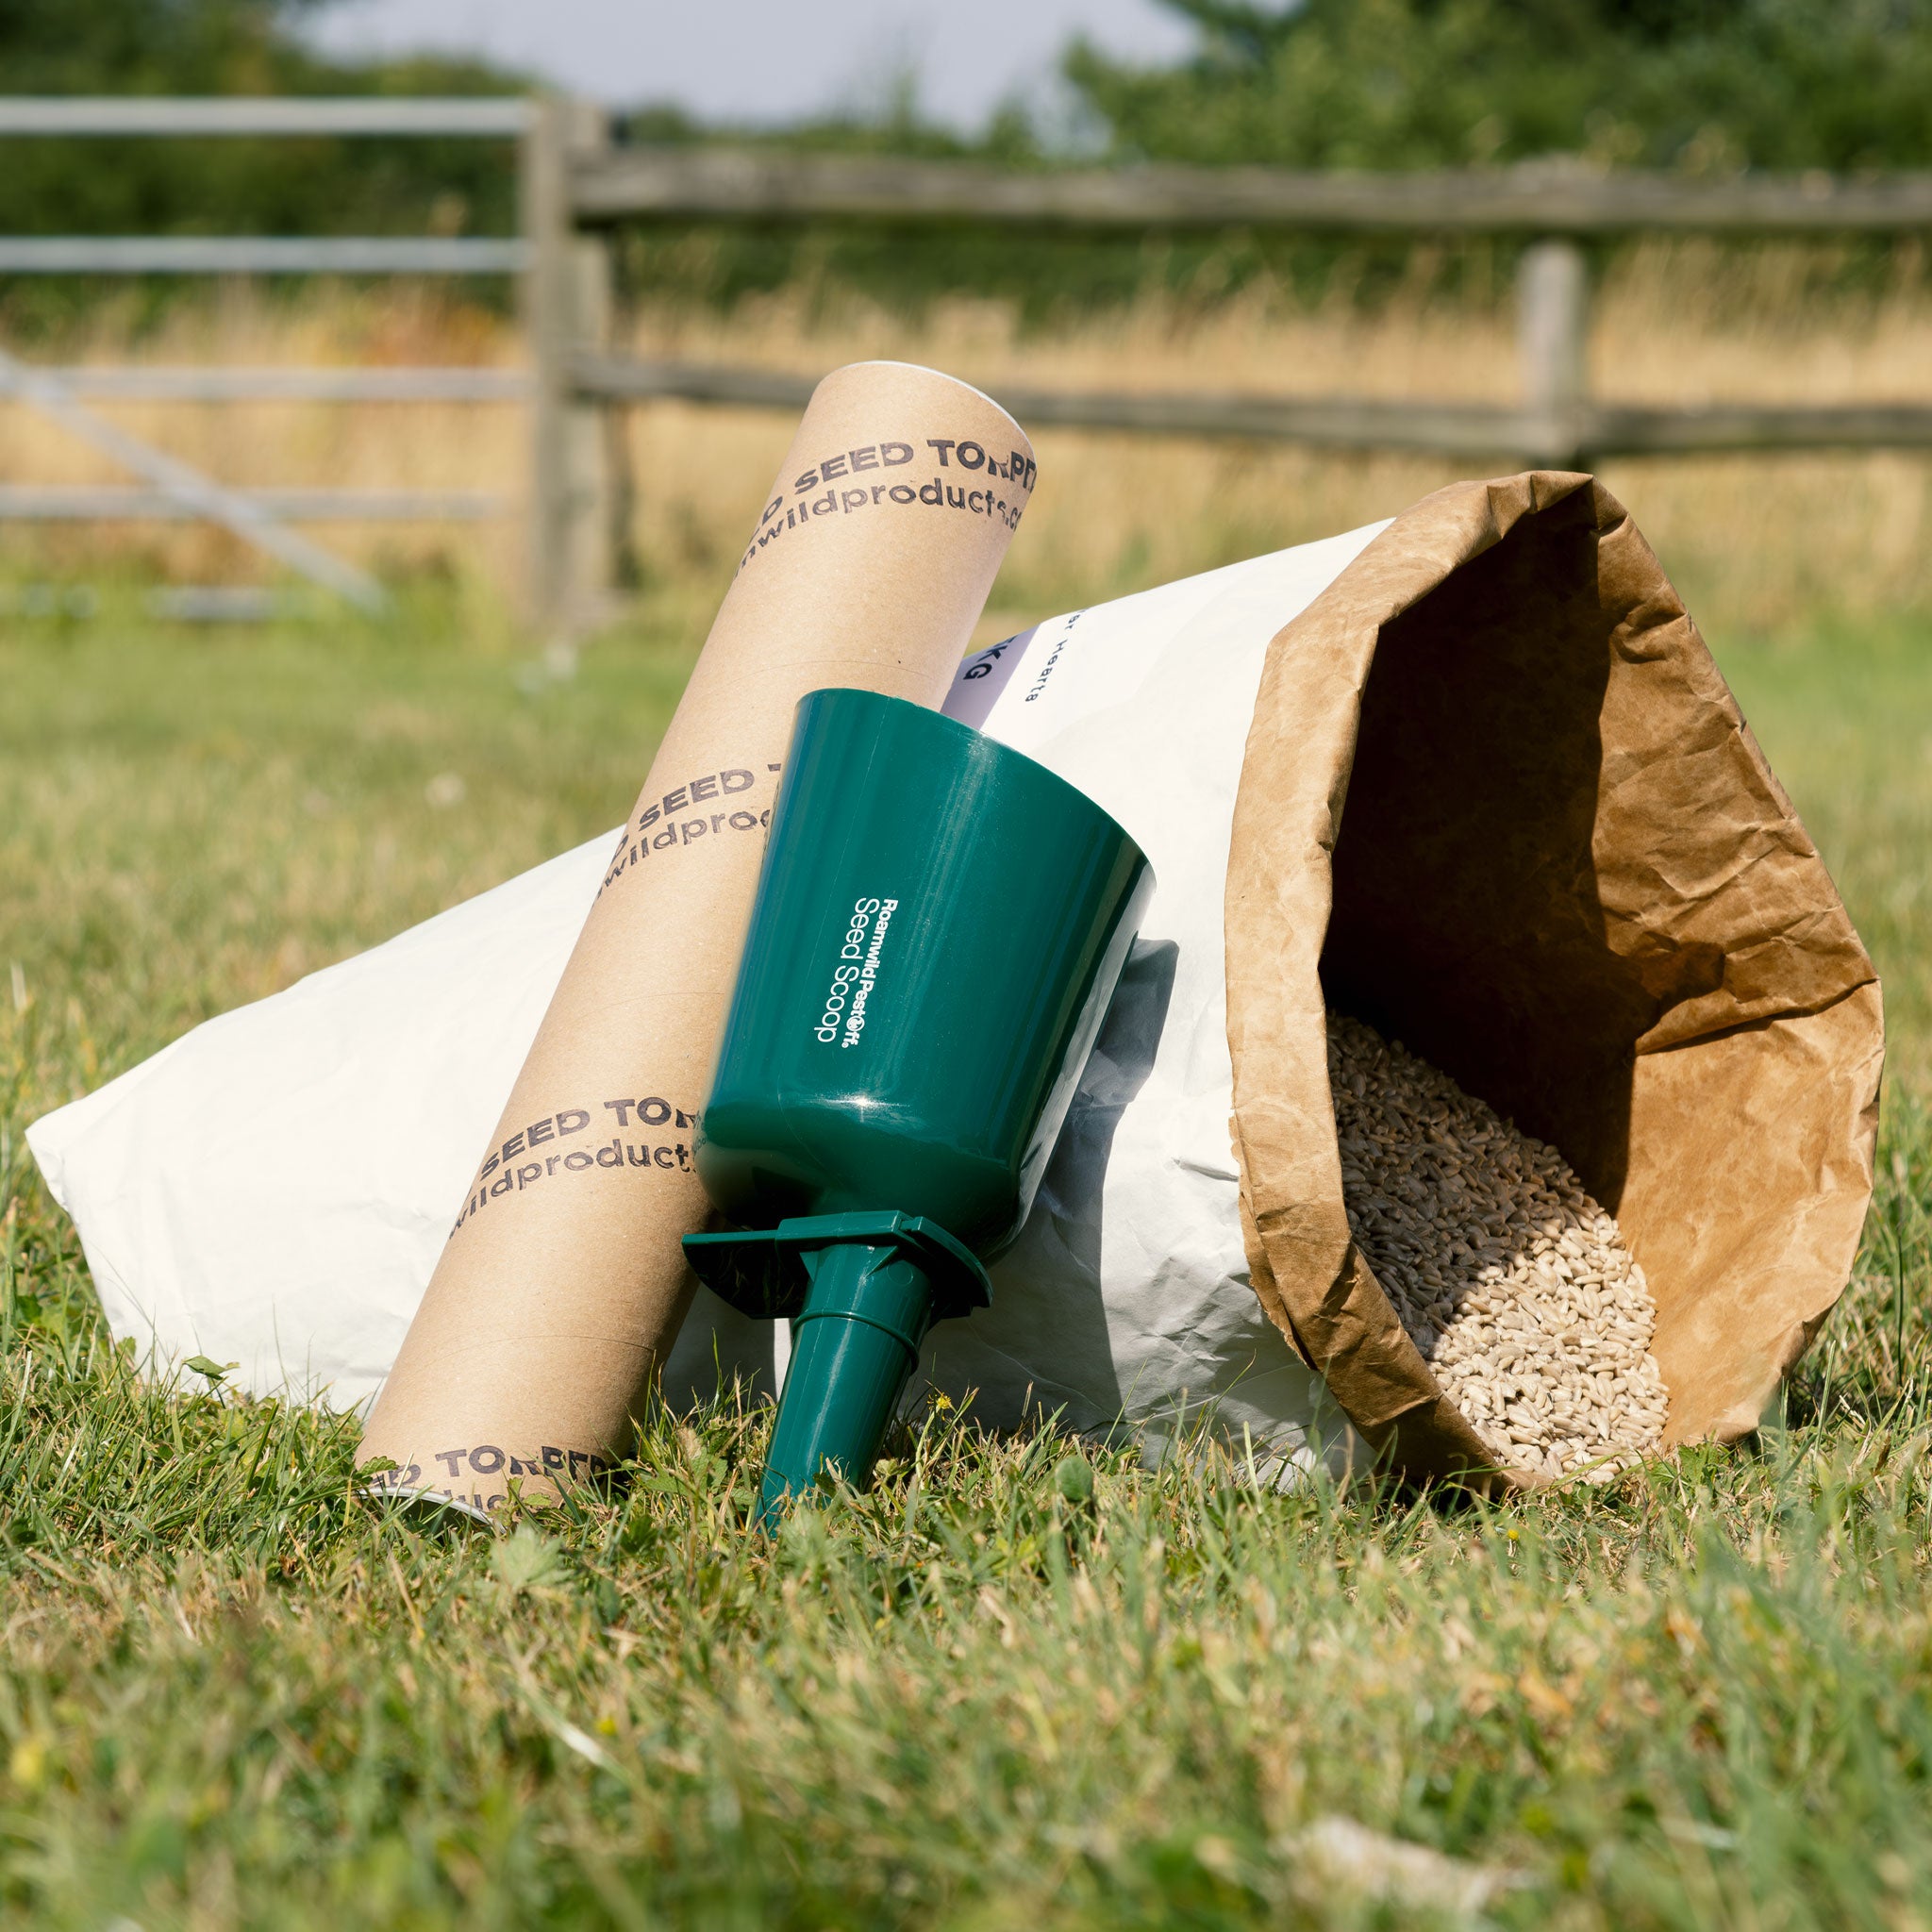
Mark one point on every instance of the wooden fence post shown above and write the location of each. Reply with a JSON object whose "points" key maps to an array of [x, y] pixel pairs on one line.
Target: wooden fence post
{"points": [[1553, 334], [566, 314]]}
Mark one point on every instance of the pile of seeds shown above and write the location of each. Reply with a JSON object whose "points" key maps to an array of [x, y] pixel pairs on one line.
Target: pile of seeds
{"points": [[1513, 1283]]}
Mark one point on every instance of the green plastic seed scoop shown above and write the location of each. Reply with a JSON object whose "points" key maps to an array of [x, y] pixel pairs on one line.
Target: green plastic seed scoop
{"points": [[939, 926]]}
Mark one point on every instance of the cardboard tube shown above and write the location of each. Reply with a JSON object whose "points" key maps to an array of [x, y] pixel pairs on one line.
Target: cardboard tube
{"points": [[564, 1284]]}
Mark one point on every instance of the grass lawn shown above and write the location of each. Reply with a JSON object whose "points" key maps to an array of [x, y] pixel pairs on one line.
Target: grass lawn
{"points": [[231, 1693]]}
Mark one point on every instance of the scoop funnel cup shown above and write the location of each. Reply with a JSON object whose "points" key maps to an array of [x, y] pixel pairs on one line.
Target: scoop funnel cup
{"points": [[939, 926]]}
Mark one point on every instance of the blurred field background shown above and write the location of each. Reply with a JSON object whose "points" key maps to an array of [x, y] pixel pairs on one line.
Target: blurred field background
{"points": [[1706, 91], [1757, 542]]}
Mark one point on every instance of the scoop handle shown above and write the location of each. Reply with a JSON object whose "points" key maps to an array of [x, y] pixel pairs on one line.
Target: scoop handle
{"points": [[856, 1342]]}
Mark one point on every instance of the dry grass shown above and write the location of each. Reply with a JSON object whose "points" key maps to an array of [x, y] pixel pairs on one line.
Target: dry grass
{"points": [[1754, 543], [388, 446]]}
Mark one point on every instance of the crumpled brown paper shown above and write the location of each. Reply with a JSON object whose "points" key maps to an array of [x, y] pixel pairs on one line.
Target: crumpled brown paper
{"points": [[1498, 803]]}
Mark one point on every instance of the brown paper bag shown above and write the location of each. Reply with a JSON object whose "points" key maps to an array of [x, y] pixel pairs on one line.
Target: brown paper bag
{"points": [[563, 1283], [1498, 803]]}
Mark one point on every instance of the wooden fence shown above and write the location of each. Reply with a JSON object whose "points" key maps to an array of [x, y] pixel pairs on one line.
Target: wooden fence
{"points": [[1553, 209], [577, 188]]}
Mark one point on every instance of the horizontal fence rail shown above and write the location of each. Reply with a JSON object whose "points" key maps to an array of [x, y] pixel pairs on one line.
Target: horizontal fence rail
{"points": [[696, 184], [218, 114], [261, 255], [1452, 428], [1740, 427], [122, 503], [194, 383], [1478, 429]]}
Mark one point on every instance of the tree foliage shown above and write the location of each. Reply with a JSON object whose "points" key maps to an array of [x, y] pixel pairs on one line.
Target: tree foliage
{"points": [[1699, 85], [1693, 85]]}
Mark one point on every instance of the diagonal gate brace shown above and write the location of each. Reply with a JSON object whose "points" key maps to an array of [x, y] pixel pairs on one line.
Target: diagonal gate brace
{"points": [[201, 494]]}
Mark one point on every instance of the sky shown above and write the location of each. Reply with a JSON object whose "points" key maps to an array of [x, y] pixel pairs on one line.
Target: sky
{"points": [[768, 61]]}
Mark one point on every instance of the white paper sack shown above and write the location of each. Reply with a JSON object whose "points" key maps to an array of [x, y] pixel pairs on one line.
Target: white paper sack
{"points": [[274, 1189]]}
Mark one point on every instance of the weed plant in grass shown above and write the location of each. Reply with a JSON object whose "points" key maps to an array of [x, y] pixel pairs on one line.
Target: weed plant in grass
{"points": [[995, 1690]]}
